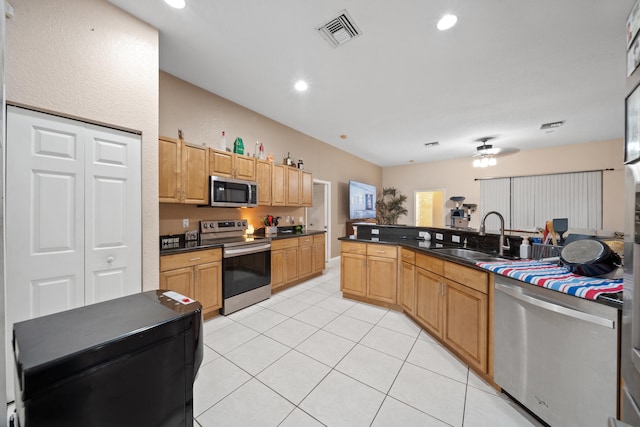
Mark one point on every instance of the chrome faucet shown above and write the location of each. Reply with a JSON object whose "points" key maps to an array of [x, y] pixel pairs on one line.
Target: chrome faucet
{"points": [[501, 245]]}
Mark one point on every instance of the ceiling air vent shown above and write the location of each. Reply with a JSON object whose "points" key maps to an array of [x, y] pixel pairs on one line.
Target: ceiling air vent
{"points": [[339, 30], [551, 125]]}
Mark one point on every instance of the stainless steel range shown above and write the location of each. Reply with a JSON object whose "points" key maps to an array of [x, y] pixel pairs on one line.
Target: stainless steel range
{"points": [[246, 263]]}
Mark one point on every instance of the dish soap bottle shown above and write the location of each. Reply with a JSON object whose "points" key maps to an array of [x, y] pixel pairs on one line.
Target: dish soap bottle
{"points": [[525, 249]]}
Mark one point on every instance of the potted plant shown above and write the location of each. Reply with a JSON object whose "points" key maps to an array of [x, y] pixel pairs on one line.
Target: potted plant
{"points": [[390, 206]]}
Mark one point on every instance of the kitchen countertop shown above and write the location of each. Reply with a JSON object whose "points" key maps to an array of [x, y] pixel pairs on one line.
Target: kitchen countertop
{"points": [[197, 245], [430, 247]]}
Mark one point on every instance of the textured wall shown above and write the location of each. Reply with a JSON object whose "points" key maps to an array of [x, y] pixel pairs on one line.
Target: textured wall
{"points": [[89, 60], [457, 177], [202, 116]]}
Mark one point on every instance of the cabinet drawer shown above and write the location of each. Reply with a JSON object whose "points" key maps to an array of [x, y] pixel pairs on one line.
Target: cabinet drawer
{"points": [[408, 255], [318, 239], [470, 277], [429, 263], [385, 251], [284, 243], [305, 241], [188, 259], [354, 248]]}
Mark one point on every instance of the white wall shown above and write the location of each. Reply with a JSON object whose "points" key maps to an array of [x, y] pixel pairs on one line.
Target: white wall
{"points": [[89, 60], [458, 178]]}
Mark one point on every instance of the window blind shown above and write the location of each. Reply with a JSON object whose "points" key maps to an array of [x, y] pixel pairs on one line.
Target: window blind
{"points": [[530, 201]]}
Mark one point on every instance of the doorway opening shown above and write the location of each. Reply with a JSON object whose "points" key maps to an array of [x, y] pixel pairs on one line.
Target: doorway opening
{"points": [[429, 208], [319, 215]]}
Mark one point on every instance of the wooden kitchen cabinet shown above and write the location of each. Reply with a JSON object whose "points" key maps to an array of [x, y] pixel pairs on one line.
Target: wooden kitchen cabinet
{"points": [[305, 256], [263, 177], [369, 270], [292, 186], [406, 281], [277, 185], [197, 275], [353, 268], [452, 304], [284, 262], [225, 163], [306, 188], [183, 172], [318, 259]]}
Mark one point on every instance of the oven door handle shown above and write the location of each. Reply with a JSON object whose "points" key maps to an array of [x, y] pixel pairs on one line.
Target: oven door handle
{"points": [[231, 252], [545, 305]]}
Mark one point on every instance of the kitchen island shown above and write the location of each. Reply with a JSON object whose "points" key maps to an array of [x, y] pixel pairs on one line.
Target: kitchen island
{"points": [[451, 297]]}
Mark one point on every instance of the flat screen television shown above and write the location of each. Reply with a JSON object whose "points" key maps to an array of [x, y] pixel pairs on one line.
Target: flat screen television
{"points": [[362, 200]]}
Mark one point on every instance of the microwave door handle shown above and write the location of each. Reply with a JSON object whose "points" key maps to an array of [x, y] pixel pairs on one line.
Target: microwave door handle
{"points": [[250, 195]]}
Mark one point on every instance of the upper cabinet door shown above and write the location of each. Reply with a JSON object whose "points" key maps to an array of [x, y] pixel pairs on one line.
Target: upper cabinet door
{"points": [[292, 185], [263, 177], [195, 173], [278, 185], [221, 163], [245, 167], [169, 170], [306, 188]]}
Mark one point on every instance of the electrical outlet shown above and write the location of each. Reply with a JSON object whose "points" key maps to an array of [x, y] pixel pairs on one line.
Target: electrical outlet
{"points": [[455, 239], [185, 223], [423, 234], [439, 236], [375, 231]]}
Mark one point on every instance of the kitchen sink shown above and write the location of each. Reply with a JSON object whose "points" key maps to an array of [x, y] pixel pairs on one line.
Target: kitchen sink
{"points": [[470, 254]]}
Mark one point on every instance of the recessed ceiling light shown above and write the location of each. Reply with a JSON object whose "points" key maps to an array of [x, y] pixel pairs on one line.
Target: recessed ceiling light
{"points": [[178, 4], [447, 21], [301, 85]]}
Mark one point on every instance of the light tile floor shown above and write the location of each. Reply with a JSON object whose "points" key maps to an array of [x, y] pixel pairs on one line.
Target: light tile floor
{"points": [[308, 357]]}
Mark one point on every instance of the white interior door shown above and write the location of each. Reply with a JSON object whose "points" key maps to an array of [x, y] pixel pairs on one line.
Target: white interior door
{"points": [[73, 223], [113, 215], [319, 215]]}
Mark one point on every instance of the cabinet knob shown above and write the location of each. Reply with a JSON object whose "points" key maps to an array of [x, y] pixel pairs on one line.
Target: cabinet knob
{"points": [[110, 259]]}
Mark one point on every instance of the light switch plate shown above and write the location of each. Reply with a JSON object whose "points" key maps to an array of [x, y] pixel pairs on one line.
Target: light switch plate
{"points": [[439, 236], [455, 239], [185, 223], [375, 231]]}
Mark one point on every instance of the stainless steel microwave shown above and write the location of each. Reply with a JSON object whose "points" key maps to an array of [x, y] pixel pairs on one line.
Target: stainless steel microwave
{"points": [[232, 193]]}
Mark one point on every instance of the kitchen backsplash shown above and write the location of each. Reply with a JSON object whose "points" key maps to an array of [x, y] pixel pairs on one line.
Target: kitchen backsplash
{"points": [[172, 215]]}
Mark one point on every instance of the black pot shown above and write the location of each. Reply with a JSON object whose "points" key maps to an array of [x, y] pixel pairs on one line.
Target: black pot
{"points": [[590, 257]]}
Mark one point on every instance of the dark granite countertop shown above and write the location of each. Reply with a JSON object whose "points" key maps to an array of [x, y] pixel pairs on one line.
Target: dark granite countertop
{"points": [[431, 247]]}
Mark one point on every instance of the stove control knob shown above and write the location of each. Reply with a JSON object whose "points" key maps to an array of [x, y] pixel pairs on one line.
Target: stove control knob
{"points": [[205, 225], [244, 223], [239, 224]]}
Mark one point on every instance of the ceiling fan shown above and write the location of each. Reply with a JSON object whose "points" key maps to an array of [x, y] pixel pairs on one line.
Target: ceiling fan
{"points": [[486, 154]]}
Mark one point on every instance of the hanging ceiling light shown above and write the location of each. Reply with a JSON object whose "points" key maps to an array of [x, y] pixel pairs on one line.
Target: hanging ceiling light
{"points": [[485, 154]]}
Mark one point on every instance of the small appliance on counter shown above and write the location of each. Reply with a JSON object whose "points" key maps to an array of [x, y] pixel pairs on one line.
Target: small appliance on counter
{"points": [[461, 215], [127, 361]]}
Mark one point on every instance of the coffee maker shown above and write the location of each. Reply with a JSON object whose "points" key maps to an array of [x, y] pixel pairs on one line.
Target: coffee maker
{"points": [[461, 214]]}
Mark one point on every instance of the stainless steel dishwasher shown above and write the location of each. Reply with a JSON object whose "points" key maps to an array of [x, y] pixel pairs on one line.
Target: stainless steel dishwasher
{"points": [[556, 354]]}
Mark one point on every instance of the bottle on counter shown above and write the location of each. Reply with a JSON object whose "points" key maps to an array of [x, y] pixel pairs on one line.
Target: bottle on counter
{"points": [[525, 249], [261, 156], [257, 150], [223, 142]]}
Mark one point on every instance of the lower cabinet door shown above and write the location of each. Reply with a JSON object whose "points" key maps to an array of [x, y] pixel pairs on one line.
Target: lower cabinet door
{"points": [[179, 280], [465, 313], [429, 301], [353, 275], [208, 286], [382, 279], [407, 292], [277, 268]]}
